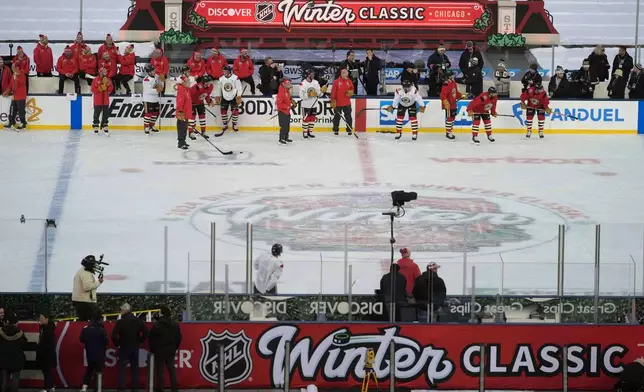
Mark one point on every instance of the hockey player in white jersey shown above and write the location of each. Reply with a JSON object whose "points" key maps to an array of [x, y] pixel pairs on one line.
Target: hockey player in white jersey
{"points": [[228, 95], [269, 270], [406, 100], [152, 88], [310, 92]]}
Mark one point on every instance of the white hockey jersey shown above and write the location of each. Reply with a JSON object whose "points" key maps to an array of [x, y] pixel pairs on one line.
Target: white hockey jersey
{"points": [[269, 270], [407, 99], [305, 88], [229, 88], [150, 94]]}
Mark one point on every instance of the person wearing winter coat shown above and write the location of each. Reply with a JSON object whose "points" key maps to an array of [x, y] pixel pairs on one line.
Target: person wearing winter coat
{"points": [[371, 73], [87, 66], [399, 290], [197, 66], [161, 65], [109, 47], [269, 269], [559, 86], [12, 354], [23, 62], [636, 83], [43, 57], [126, 70], [599, 65], [409, 269], [410, 72], [46, 350], [586, 81], [474, 78], [244, 68], [502, 79], [285, 102], [165, 339], [79, 46], [94, 338], [429, 291], [18, 88], [128, 335], [470, 52], [622, 62], [437, 63], [531, 77], [101, 88], [617, 85], [110, 64], [270, 75], [6, 75], [67, 70]]}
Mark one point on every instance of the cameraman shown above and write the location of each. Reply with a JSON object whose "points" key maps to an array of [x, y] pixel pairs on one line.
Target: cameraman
{"points": [[84, 291], [271, 75]]}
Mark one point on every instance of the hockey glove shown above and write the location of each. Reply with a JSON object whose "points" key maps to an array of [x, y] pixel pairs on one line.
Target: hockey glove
{"points": [[548, 111], [446, 104], [349, 93], [494, 115], [333, 104], [470, 113], [523, 105], [218, 100], [422, 109], [323, 89], [390, 108], [239, 101]]}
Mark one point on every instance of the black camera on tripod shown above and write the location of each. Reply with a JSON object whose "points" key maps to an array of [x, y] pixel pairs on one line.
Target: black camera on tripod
{"points": [[93, 265], [399, 198]]}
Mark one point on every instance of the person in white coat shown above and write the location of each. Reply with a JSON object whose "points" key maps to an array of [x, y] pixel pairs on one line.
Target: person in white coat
{"points": [[269, 270]]}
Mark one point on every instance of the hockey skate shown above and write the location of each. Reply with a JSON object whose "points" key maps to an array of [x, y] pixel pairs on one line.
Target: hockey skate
{"points": [[414, 137], [106, 131], [288, 140], [203, 133], [183, 146], [398, 136], [282, 142], [490, 138], [349, 132], [191, 135], [96, 129], [311, 135], [475, 139], [305, 135], [235, 127], [541, 135], [450, 136], [146, 130], [154, 130], [336, 133], [528, 134]]}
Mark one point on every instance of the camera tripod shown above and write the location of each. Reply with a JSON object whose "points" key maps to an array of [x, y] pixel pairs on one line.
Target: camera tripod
{"points": [[369, 372]]}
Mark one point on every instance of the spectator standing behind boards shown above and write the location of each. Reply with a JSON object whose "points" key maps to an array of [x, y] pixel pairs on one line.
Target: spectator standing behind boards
{"points": [[270, 75], [84, 288], [197, 66], [474, 79], [409, 269], [437, 63], [531, 77], [3, 320], [165, 339], [468, 54], [617, 85], [19, 102], [126, 70], [599, 65], [43, 57], [160, 63], [623, 61], [502, 79], [371, 72], [67, 70], [586, 81], [6, 76], [46, 350], [559, 86], [128, 335], [636, 83], [244, 68], [79, 46], [399, 295], [23, 62], [409, 73], [94, 338], [429, 290], [12, 354], [269, 269], [351, 65], [87, 66]]}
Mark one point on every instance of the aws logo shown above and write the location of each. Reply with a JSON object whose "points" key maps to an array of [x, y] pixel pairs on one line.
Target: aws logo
{"points": [[33, 110]]}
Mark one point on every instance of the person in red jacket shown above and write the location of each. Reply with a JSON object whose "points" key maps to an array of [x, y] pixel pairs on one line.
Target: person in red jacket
{"points": [[5, 79], [78, 48], [23, 62], [183, 107], [67, 70], [244, 68], [109, 63], [535, 99], [160, 64], [101, 88], [19, 92], [480, 108], [284, 105], [215, 63], [197, 66], [341, 93], [110, 48], [126, 70], [449, 96], [409, 269], [43, 57], [200, 93], [87, 66]]}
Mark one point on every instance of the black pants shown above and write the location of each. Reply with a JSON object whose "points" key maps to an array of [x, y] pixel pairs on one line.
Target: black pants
{"points": [[346, 112], [182, 131], [10, 381], [84, 310], [251, 83], [17, 110], [285, 124], [123, 79], [98, 110], [83, 75], [48, 377], [61, 83], [91, 373], [129, 356], [43, 74], [271, 291], [371, 86], [159, 362]]}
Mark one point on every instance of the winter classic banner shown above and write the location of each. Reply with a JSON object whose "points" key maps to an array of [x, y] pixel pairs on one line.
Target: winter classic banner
{"points": [[522, 357]]}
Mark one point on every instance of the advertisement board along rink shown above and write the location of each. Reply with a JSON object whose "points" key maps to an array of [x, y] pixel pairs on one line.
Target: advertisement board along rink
{"points": [[115, 195]]}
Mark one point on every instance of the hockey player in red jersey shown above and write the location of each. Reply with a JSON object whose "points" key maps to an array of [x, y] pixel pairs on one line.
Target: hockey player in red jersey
{"points": [[535, 99], [482, 107], [200, 93], [449, 96]]}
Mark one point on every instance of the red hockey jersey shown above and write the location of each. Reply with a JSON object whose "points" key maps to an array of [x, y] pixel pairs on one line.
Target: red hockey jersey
{"points": [[483, 104], [450, 93], [535, 100]]}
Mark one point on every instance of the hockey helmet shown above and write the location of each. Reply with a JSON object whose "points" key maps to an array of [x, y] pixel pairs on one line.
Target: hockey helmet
{"points": [[538, 86], [406, 84], [149, 69], [227, 68], [276, 250], [492, 90], [310, 73]]}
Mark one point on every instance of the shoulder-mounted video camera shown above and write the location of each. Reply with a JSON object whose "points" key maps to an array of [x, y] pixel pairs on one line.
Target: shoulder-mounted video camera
{"points": [[93, 265]]}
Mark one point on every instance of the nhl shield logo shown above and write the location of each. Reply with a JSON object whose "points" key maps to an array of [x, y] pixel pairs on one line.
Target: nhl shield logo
{"points": [[238, 363], [264, 12]]}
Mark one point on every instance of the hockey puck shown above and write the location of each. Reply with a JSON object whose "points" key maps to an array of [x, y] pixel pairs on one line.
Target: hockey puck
{"points": [[341, 339]]}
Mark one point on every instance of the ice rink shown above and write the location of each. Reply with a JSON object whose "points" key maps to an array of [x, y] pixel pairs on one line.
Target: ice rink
{"points": [[494, 206]]}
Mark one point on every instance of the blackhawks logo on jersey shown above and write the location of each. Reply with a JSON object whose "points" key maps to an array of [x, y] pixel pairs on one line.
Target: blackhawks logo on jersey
{"points": [[487, 107], [228, 87], [405, 100], [311, 92], [534, 102]]}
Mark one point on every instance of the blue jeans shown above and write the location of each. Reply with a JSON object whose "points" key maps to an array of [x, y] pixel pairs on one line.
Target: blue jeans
{"points": [[131, 356]]}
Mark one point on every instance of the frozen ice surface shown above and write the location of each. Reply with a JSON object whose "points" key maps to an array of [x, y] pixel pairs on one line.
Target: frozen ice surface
{"points": [[115, 195]]}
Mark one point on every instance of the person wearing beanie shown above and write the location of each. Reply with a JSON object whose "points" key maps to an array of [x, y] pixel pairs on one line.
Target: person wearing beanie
{"points": [[12, 353], [531, 77], [110, 64], [470, 52], [409, 269], [161, 65], [586, 81], [43, 57], [284, 105], [559, 86], [87, 66], [636, 83], [126, 70], [197, 66], [438, 64], [165, 339], [214, 65], [18, 89], [429, 292], [244, 68], [46, 358], [79, 46], [95, 340], [399, 291], [67, 67], [502, 79], [109, 47], [102, 87], [23, 62]]}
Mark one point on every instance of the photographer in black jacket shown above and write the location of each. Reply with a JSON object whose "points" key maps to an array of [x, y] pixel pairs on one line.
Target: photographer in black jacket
{"points": [[95, 340], [165, 339], [46, 350], [128, 335]]}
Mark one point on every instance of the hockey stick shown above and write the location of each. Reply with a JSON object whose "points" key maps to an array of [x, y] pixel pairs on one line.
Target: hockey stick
{"points": [[222, 116], [348, 125], [208, 140], [365, 109]]}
